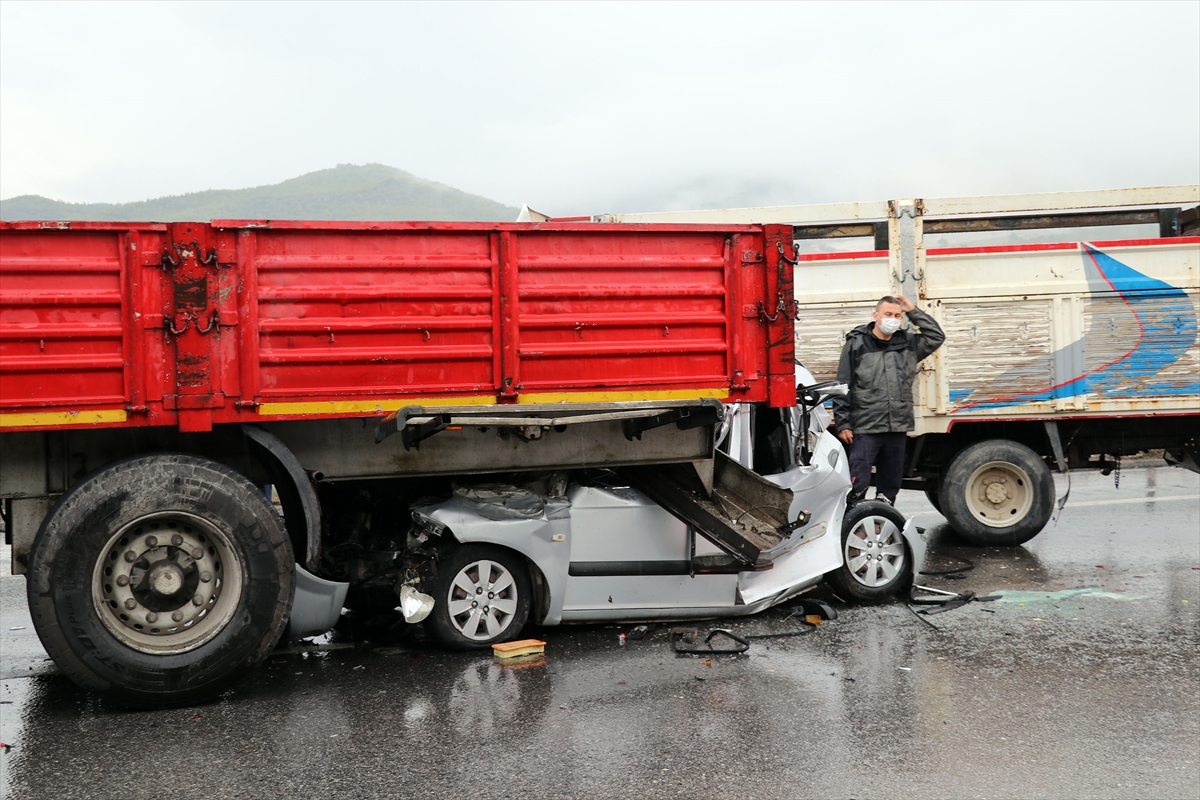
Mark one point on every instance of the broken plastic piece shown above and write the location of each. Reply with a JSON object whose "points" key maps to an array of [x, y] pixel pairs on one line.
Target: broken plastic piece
{"points": [[413, 604], [810, 606]]}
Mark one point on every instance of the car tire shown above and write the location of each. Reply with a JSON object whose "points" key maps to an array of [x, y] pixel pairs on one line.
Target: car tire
{"points": [[876, 562], [159, 580], [997, 493], [934, 499], [482, 596]]}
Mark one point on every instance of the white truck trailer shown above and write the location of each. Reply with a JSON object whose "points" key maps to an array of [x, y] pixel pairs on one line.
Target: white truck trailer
{"points": [[1067, 346]]}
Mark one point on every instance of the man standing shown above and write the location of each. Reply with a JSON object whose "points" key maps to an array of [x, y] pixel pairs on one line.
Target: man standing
{"points": [[878, 364]]}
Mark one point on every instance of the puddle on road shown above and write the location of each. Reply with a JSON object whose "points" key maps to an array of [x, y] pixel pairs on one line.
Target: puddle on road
{"points": [[1065, 594]]}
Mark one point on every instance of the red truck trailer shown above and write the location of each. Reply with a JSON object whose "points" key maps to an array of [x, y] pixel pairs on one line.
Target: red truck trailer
{"points": [[155, 377]]}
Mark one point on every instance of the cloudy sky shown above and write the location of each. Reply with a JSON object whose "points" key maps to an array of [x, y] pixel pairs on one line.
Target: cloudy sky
{"points": [[582, 108]]}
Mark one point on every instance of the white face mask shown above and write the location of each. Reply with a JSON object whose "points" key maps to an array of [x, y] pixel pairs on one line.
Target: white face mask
{"points": [[889, 325]]}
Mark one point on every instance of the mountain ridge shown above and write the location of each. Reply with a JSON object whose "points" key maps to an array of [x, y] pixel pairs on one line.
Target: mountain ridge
{"points": [[371, 192]]}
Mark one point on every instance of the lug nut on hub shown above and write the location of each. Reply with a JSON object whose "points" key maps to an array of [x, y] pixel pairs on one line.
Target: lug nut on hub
{"points": [[177, 540], [131, 604]]}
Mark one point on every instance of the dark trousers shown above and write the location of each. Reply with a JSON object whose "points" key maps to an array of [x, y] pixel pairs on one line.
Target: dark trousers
{"points": [[885, 452]]}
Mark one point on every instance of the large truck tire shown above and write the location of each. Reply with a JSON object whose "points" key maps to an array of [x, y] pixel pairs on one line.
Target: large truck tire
{"points": [[159, 580], [876, 563], [481, 597], [997, 493]]}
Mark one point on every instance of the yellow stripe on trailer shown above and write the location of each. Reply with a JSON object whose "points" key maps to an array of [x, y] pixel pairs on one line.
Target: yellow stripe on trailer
{"points": [[367, 406], [40, 419], [620, 397], [387, 406]]}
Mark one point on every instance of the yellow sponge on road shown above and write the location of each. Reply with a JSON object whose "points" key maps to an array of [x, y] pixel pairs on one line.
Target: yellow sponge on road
{"points": [[523, 647]]}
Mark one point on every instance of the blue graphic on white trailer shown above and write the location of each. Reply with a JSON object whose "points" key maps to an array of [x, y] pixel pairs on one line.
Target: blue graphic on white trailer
{"points": [[1163, 317]]}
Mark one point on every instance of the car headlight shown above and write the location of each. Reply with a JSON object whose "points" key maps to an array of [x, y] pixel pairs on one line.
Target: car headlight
{"points": [[428, 524]]}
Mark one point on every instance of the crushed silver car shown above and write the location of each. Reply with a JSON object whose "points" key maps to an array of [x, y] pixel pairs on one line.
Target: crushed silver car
{"points": [[762, 523]]}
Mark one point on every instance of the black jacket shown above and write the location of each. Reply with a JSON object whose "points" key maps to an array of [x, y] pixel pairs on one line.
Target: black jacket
{"points": [[880, 376]]}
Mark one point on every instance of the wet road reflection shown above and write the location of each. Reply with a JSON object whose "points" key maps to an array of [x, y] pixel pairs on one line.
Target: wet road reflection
{"points": [[1049, 693]]}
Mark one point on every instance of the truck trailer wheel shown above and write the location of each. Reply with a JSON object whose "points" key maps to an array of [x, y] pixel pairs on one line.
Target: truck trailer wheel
{"points": [[481, 597], [997, 493], [875, 560], [160, 579]]}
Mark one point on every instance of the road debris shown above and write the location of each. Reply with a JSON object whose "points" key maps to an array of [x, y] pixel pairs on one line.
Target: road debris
{"points": [[680, 638], [528, 649]]}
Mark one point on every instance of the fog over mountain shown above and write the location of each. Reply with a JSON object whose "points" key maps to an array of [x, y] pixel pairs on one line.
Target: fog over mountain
{"points": [[346, 192], [585, 108]]}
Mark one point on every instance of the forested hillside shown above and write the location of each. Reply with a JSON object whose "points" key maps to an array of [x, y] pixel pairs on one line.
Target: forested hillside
{"points": [[369, 192]]}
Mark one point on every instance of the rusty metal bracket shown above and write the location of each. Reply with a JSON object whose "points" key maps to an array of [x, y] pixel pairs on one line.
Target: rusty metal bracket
{"points": [[788, 309], [412, 436], [212, 323], [210, 260], [710, 413], [783, 256], [169, 324]]}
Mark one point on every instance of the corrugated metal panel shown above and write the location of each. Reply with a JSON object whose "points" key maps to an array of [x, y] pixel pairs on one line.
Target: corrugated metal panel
{"points": [[622, 309], [997, 348], [234, 321], [1117, 336], [345, 313], [61, 319], [821, 333]]}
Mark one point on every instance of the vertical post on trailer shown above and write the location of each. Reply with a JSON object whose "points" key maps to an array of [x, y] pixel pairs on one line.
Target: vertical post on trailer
{"points": [[906, 238], [781, 329], [192, 322]]}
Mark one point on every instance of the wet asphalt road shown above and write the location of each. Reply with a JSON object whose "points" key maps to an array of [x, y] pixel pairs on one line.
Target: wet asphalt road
{"points": [[1052, 693]]}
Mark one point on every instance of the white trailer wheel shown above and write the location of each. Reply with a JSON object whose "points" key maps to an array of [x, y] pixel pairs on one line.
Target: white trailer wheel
{"points": [[997, 493]]}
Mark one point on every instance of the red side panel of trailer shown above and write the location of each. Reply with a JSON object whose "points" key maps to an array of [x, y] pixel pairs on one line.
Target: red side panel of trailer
{"points": [[193, 324]]}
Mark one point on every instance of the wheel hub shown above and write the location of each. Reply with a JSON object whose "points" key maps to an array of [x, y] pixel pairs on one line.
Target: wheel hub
{"points": [[166, 579], [999, 494], [482, 600], [167, 583], [874, 552]]}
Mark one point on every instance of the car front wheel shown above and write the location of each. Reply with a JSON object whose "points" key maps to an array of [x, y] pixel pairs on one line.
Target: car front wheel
{"points": [[481, 597]]}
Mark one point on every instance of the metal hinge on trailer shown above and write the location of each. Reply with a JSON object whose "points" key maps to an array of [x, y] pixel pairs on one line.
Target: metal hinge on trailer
{"points": [[417, 423]]}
